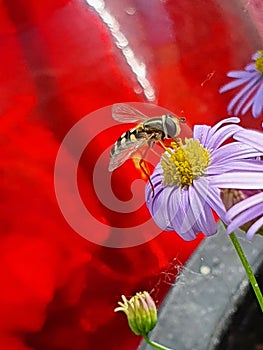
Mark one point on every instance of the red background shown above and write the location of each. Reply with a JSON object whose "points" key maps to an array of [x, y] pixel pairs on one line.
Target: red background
{"points": [[59, 61]]}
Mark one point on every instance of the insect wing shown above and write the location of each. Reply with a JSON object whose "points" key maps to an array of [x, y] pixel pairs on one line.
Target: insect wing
{"points": [[123, 154], [124, 113]]}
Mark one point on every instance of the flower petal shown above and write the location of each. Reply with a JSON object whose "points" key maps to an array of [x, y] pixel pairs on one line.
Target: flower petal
{"points": [[250, 67], [241, 77], [223, 168], [248, 105], [241, 74], [251, 137], [234, 150], [247, 165], [222, 135], [234, 84], [157, 206], [208, 223], [205, 221], [201, 132], [211, 195], [243, 92], [185, 221], [246, 101], [247, 203], [216, 127], [238, 179], [258, 101], [254, 228], [256, 55], [242, 219]]}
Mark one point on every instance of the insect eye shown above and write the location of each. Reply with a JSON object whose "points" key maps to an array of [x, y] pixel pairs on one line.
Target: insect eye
{"points": [[171, 126]]}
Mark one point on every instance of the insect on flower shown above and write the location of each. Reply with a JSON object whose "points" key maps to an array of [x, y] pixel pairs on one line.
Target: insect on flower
{"points": [[145, 134]]}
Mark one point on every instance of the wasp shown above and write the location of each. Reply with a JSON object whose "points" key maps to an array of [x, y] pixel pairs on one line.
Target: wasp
{"points": [[147, 132]]}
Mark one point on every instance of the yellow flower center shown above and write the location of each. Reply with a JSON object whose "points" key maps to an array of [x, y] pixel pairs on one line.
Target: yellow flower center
{"points": [[185, 163], [259, 62]]}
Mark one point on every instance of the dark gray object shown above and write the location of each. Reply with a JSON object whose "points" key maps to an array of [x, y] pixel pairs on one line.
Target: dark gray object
{"points": [[198, 309]]}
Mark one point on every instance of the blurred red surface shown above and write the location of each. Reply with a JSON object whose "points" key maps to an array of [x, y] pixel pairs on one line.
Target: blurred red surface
{"points": [[61, 60]]}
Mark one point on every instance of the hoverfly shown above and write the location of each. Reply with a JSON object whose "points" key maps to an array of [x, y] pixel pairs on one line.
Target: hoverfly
{"points": [[147, 132]]}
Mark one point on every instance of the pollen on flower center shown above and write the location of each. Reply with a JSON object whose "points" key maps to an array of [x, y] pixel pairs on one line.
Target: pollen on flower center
{"points": [[185, 163], [259, 62]]}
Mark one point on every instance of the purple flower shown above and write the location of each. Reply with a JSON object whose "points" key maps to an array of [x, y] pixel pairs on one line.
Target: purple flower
{"points": [[248, 213], [251, 93], [188, 180]]}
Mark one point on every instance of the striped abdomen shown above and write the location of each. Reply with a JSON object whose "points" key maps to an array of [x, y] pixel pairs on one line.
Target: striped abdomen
{"points": [[135, 135], [128, 139]]}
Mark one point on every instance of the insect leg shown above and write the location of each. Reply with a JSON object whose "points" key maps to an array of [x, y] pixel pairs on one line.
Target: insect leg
{"points": [[163, 145], [145, 169], [142, 164]]}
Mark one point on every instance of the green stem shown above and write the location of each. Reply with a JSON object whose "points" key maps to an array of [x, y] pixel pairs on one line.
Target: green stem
{"points": [[155, 345], [248, 269]]}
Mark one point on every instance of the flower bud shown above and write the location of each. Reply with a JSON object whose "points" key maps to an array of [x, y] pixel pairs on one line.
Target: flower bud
{"points": [[140, 311]]}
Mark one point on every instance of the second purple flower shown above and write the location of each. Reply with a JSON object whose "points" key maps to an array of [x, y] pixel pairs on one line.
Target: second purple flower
{"points": [[250, 80]]}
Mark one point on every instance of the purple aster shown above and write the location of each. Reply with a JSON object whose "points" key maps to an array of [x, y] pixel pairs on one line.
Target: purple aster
{"points": [[189, 178], [251, 93], [248, 213]]}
